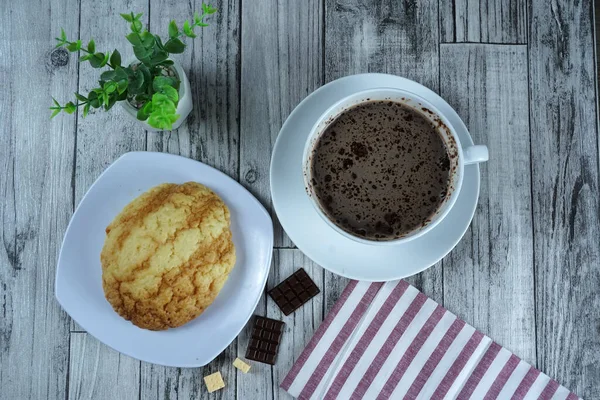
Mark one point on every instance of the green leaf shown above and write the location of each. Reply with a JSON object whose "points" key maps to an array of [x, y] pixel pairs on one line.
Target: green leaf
{"points": [[173, 30], [80, 97], [115, 59], [135, 82], [136, 26], [202, 24], [148, 40], [188, 30], [159, 43], [197, 17], [63, 35], [145, 111], [96, 60], [91, 46], [111, 102], [134, 39], [70, 108], [142, 98], [167, 63], [85, 57], [160, 82], [108, 75], [127, 17], [139, 15], [86, 110], [159, 57], [122, 85], [74, 46], [163, 103], [171, 93], [105, 98], [162, 121], [120, 73], [105, 60], [110, 87], [55, 112], [174, 46], [208, 9], [56, 103], [141, 52], [146, 72]]}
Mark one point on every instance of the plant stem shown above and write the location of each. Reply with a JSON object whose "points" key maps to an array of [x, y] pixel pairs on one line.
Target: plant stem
{"points": [[89, 52]]}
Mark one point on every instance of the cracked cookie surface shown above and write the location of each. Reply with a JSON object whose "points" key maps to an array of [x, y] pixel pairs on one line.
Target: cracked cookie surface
{"points": [[167, 255]]}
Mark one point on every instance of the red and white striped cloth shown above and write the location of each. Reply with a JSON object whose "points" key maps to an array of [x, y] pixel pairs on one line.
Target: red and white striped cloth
{"points": [[389, 341]]}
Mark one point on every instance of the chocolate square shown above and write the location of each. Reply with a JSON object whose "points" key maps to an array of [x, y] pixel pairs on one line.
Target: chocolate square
{"points": [[294, 292], [264, 345]]}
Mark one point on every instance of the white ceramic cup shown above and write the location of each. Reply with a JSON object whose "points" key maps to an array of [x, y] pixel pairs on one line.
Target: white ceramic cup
{"points": [[459, 156]]}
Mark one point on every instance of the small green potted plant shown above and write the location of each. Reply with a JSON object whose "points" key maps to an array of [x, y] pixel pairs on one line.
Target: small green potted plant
{"points": [[153, 88]]}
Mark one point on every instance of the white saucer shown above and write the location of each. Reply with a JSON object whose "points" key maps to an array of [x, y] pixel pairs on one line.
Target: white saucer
{"points": [[322, 243], [79, 274]]}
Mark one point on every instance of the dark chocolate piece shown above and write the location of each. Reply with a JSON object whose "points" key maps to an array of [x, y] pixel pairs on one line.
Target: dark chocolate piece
{"points": [[294, 292], [264, 342]]}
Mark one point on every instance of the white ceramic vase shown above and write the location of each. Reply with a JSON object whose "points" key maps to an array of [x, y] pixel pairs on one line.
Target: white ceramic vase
{"points": [[184, 107]]}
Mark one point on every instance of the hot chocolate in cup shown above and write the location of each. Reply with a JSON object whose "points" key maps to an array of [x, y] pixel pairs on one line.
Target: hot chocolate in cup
{"points": [[384, 166]]}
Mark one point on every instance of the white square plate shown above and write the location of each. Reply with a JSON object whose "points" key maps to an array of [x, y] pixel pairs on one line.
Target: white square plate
{"points": [[79, 274]]}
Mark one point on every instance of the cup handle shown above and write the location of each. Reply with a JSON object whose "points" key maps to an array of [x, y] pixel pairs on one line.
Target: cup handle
{"points": [[475, 154]]}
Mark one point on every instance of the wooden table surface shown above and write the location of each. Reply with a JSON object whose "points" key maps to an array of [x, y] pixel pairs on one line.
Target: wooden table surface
{"points": [[521, 74]]}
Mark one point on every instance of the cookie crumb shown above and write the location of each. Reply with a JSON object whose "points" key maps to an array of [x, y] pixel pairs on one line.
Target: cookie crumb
{"points": [[214, 382], [242, 366]]}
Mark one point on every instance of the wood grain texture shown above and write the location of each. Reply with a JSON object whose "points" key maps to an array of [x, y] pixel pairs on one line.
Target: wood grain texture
{"points": [[488, 277], [166, 383], [211, 61], [389, 37], [398, 38], [262, 382], [483, 21], [99, 372], [300, 325], [564, 143], [36, 160], [258, 383], [103, 137], [281, 64]]}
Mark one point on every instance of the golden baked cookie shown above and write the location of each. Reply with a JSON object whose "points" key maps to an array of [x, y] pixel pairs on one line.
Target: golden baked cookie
{"points": [[167, 255]]}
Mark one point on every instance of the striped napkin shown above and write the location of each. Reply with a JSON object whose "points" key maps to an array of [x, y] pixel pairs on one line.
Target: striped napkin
{"points": [[390, 341]]}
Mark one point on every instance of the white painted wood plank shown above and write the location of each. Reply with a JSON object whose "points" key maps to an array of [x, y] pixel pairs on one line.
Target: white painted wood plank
{"points": [[488, 277], [99, 372], [301, 324], [104, 136], [399, 38], [566, 209], [211, 61], [258, 383], [489, 21], [158, 382], [36, 161], [281, 64]]}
